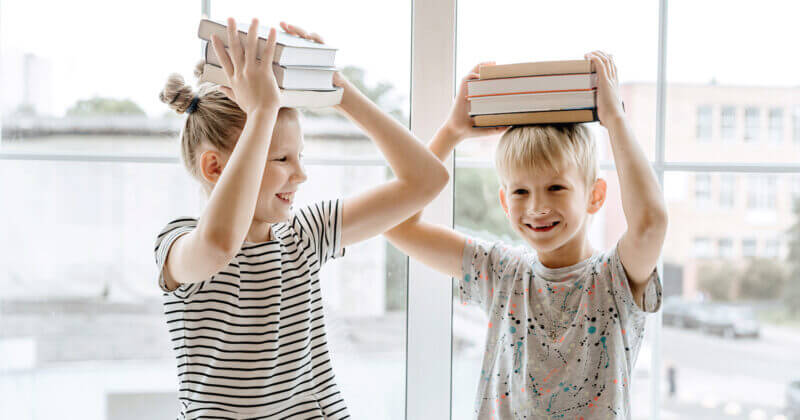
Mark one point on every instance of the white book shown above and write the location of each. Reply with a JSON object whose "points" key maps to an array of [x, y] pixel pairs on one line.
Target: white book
{"points": [[531, 84], [290, 50], [289, 77], [531, 102], [289, 98]]}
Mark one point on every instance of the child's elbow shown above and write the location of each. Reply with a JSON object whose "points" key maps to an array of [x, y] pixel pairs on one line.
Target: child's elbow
{"points": [[436, 182]]}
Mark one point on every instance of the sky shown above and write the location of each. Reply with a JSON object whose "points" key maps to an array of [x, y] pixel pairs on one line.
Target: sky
{"points": [[127, 49]]}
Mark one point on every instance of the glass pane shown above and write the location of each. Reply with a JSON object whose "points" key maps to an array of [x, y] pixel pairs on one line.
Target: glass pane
{"points": [[96, 76], [367, 326], [82, 315], [379, 65], [750, 107], [730, 288], [479, 214], [485, 31]]}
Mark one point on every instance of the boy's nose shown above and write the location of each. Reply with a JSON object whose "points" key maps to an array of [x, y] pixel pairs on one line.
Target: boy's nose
{"points": [[544, 211]]}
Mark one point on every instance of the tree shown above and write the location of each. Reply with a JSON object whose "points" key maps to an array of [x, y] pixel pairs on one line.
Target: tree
{"points": [[791, 293], [720, 283], [381, 94], [476, 204], [104, 106], [763, 279]]}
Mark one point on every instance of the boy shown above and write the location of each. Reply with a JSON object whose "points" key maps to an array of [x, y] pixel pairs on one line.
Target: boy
{"points": [[565, 322]]}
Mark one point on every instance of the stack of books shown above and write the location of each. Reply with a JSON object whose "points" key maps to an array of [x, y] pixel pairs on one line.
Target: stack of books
{"points": [[534, 93], [303, 69]]}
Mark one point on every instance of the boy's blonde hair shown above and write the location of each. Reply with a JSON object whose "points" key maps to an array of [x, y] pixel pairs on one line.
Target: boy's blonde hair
{"points": [[216, 120], [548, 147]]}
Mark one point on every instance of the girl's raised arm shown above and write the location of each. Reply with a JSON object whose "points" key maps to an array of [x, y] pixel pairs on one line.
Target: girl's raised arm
{"points": [[229, 212]]}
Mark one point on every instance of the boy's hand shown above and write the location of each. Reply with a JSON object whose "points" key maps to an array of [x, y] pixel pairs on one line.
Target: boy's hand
{"points": [[252, 82], [459, 122], [609, 106], [338, 79]]}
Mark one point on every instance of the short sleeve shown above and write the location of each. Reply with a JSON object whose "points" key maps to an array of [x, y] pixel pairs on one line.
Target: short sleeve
{"points": [[621, 289], [321, 224], [483, 265], [174, 230]]}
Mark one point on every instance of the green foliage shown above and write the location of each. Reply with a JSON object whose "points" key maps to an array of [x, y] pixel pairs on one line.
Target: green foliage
{"points": [[379, 94], [763, 279], [104, 106], [718, 282], [791, 295], [476, 202]]}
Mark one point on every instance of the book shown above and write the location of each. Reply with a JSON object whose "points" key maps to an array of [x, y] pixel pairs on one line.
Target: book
{"points": [[289, 77], [290, 50], [536, 69], [531, 84], [532, 102], [289, 98], [540, 117]]}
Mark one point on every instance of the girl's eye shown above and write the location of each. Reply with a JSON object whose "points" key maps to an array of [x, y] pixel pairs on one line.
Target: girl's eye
{"points": [[283, 159]]}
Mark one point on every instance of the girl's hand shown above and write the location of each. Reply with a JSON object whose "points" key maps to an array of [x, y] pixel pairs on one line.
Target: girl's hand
{"points": [[459, 122], [338, 79], [609, 106], [252, 82]]}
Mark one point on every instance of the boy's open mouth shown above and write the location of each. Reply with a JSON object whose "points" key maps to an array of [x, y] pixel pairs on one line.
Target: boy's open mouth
{"points": [[543, 228], [285, 197]]}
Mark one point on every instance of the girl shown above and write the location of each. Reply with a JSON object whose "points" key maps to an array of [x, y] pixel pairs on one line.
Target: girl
{"points": [[241, 282]]}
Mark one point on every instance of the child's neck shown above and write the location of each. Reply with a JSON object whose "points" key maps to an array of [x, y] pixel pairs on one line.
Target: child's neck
{"points": [[569, 254], [259, 232]]}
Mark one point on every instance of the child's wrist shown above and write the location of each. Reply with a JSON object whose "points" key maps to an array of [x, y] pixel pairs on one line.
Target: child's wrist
{"points": [[452, 133]]}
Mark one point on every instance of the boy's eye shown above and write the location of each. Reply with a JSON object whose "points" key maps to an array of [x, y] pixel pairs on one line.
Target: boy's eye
{"points": [[556, 188], [519, 191]]}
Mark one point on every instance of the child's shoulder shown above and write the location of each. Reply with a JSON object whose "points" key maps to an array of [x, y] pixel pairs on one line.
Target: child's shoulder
{"points": [[184, 222]]}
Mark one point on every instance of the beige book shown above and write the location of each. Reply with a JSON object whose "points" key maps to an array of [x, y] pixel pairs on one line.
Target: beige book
{"points": [[543, 117], [536, 69]]}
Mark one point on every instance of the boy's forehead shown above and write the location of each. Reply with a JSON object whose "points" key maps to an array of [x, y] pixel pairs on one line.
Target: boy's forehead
{"points": [[566, 171]]}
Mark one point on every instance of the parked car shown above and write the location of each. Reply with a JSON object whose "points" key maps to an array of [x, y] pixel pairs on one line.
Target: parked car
{"points": [[793, 400], [730, 322], [682, 313]]}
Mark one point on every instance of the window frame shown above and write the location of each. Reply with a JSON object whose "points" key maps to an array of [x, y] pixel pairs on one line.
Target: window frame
{"points": [[428, 352]]}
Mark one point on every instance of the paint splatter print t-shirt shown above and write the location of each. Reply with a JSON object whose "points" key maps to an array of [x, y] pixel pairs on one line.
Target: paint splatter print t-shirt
{"points": [[561, 343]]}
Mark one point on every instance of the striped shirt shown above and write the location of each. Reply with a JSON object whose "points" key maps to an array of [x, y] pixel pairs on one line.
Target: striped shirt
{"points": [[250, 341]]}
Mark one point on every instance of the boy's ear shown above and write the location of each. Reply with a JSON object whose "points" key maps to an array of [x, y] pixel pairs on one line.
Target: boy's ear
{"points": [[502, 197], [597, 196], [211, 165]]}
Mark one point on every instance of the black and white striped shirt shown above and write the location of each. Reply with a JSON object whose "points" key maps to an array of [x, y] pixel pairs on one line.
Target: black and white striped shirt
{"points": [[250, 341]]}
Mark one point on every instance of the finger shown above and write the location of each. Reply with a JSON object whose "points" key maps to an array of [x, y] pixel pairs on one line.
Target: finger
{"points": [[269, 49], [235, 46], [298, 31], [228, 92], [222, 54], [252, 43], [284, 26], [315, 37]]}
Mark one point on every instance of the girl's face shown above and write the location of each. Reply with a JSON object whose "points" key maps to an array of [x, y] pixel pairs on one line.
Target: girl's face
{"points": [[284, 171]]}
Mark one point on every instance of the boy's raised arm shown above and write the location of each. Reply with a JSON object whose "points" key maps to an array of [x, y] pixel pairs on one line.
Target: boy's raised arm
{"points": [[440, 247], [642, 200]]}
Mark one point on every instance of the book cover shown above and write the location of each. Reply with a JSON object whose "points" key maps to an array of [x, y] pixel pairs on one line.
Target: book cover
{"points": [[536, 69], [540, 117], [549, 101]]}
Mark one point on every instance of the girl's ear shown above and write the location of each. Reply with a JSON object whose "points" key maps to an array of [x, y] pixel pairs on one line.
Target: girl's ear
{"points": [[211, 164], [597, 196]]}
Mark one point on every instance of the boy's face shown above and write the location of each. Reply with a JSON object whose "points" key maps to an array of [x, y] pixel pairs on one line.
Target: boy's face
{"points": [[550, 209]]}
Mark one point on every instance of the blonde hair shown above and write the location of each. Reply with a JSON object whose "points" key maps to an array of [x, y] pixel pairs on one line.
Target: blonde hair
{"points": [[547, 147], [216, 120]]}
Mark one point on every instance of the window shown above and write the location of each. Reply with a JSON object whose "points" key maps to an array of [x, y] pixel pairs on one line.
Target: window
{"points": [[702, 190], [762, 192], [704, 123], [776, 125], [796, 123], [727, 191], [752, 121], [748, 247], [702, 248], [728, 126], [771, 248], [725, 248]]}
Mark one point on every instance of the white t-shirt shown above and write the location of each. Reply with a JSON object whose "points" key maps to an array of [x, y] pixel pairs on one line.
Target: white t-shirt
{"points": [[561, 343], [250, 341]]}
